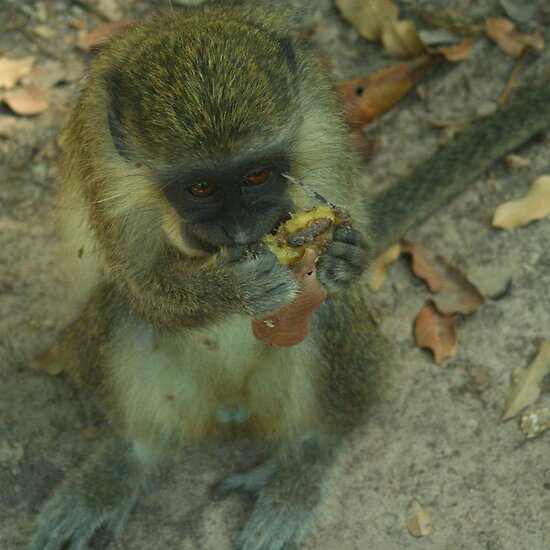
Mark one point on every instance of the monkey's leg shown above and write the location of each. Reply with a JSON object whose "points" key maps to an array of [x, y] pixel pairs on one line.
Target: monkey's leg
{"points": [[291, 486], [94, 503]]}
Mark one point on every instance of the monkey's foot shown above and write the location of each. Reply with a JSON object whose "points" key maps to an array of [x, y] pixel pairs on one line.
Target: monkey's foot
{"points": [[93, 505], [248, 483], [65, 523], [276, 524]]}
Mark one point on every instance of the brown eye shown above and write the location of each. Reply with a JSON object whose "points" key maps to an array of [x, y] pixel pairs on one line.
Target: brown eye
{"points": [[202, 189], [258, 176]]}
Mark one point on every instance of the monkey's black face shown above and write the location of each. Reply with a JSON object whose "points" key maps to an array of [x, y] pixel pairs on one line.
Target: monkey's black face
{"points": [[229, 203]]}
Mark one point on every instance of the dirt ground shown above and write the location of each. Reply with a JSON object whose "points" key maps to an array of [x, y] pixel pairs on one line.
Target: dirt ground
{"points": [[439, 439]]}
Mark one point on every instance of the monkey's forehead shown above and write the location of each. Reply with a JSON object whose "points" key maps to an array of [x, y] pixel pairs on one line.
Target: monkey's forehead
{"points": [[180, 84]]}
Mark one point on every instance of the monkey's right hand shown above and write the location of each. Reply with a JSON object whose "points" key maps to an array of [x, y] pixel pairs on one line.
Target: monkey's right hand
{"points": [[265, 285]]}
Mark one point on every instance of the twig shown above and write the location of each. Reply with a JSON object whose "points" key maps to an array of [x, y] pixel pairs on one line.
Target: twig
{"points": [[512, 79]]}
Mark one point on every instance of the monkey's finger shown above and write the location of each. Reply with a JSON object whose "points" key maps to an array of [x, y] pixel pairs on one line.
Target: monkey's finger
{"points": [[249, 482], [350, 236]]}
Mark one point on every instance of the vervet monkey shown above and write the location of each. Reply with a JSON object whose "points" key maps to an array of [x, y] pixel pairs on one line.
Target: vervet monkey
{"points": [[174, 162]]}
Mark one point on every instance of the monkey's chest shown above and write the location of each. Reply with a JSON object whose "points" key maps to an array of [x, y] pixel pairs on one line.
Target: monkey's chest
{"points": [[180, 386]]}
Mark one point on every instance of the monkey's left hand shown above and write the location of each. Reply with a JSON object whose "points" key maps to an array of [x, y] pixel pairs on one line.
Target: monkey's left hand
{"points": [[344, 261]]}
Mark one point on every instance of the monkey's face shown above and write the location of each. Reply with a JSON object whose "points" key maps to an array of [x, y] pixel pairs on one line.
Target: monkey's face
{"points": [[230, 203]]}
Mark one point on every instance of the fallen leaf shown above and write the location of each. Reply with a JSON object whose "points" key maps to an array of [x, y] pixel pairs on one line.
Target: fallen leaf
{"points": [[455, 53], [535, 420], [514, 162], [368, 97], [27, 101], [436, 331], [379, 268], [50, 362], [420, 521], [526, 383], [102, 34], [109, 8], [379, 20], [44, 31], [291, 324], [455, 293], [512, 42], [533, 206], [13, 70]]}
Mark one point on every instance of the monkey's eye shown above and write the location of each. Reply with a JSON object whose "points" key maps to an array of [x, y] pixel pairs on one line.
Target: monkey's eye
{"points": [[202, 189], [258, 176]]}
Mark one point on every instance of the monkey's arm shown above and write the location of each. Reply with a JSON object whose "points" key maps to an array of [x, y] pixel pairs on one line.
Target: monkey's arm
{"points": [[434, 182], [177, 293]]}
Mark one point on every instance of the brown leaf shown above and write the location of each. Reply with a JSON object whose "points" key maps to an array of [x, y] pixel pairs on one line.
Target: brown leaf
{"points": [[291, 324], [379, 268], [456, 53], [533, 206], [526, 385], [13, 70], [513, 43], [436, 331], [420, 521], [102, 34], [27, 101], [368, 97], [455, 293], [378, 20]]}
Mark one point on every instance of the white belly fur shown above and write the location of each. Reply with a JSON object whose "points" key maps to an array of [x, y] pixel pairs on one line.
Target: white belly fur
{"points": [[173, 387]]}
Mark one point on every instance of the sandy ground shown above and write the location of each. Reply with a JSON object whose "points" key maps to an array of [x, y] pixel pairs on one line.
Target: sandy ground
{"points": [[438, 439]]}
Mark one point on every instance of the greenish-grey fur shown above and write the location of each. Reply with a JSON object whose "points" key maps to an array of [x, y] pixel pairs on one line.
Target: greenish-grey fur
{"points": [[154, 300]]}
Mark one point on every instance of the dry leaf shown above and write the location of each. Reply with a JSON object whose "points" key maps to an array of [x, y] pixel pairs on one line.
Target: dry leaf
{"points": [[533, 206], [456, 53], [44, 31], [368, 16], [420, 521], [526, 385], [379, 268], [102, 34], [13, 70], [401, 39], [436, 331], [535, 420], [503, 32], [378, 20], [455, 293], [366, 98], [50, 362], [291, 324], [514, 162], [27, 101], [109, 8]]}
